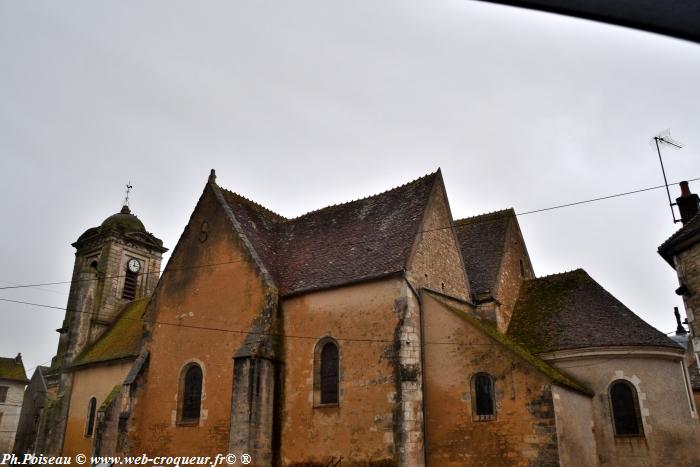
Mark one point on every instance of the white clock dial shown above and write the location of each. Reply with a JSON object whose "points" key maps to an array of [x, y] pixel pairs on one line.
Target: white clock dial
{"points": [[134, 265]]}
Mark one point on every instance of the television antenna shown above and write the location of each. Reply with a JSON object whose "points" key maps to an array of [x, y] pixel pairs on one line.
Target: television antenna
{"points": [[664, 138]]}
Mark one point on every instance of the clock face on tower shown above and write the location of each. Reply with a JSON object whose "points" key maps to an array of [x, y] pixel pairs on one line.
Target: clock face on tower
{"points": [[134, 265]]}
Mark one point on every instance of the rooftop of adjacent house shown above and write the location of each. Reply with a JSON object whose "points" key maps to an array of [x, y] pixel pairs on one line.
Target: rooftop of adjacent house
{"points": [[12, 369], [351, 242], [121, 340], [685, 233], [482, 241], [571, 310]]}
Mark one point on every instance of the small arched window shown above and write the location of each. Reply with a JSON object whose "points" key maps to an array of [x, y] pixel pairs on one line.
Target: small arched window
{"points": [[191, 394], [483, 396], [625, 409], [326, 389], [90, 420]]}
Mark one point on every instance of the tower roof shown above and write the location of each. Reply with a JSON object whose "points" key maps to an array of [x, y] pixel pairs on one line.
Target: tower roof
{"points": [[123, 221]]}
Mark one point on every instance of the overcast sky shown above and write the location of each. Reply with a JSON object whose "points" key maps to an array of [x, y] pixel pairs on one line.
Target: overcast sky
{"points": [[303, 104]]}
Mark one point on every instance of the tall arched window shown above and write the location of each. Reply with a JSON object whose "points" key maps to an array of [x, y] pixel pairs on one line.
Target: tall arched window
{"points": [[90, 420], [625, 409], [326, 372], [191, 394], [483, 398]]}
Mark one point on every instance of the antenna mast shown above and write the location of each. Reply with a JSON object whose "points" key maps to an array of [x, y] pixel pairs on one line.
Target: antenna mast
{"points": [[665, 138]]}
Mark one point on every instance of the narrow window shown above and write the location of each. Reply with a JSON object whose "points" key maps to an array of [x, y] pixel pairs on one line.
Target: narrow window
{"points": [[191, 394], [329, 373], [625, 409], [3, 394], [483, 393], [90, 421], [522, 269], [129, 291]]}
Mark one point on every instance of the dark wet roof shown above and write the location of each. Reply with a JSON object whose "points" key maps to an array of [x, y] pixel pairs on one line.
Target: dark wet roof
{"points": [[12, 370], [350, 242], [121, 340], [571, 310], [482, 241], [685, 233]]}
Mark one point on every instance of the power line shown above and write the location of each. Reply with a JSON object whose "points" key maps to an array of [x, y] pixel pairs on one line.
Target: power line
{"points": [[467, 221], [259, 333]]}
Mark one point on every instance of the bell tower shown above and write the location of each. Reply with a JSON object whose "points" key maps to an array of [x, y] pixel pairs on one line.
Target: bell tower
{"points": [[115, 263]]}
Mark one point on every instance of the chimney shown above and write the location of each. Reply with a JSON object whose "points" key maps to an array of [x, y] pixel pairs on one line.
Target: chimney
{"points": [[18, 359], [688, 203], [680, 330]]}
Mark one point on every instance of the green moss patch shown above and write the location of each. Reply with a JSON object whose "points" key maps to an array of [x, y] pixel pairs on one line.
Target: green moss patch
{"points": [[121, 340]]}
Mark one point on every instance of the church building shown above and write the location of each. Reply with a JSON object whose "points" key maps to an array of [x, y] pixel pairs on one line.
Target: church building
{"points": [[377, 332]]}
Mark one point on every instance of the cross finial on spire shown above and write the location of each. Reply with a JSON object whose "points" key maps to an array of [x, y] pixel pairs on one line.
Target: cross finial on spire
{"points": [[127, 192]]}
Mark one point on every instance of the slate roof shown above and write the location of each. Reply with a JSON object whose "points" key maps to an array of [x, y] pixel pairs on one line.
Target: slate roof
{"points": [[571, 310], [121, 340], [482, 241], [685, 233], [341, 244], [11, 370]]}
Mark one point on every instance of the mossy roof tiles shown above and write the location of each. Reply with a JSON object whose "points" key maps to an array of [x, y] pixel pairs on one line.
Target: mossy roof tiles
{"points": [[571, 310], [12, 370], [336, 245], [121, 340]]}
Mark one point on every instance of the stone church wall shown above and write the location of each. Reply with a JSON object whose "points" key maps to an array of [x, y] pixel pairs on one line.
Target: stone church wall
{"points": [[524, 429], [363, 320], [210, 282]]}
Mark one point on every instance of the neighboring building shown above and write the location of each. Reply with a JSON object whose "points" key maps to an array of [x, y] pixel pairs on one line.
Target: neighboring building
{"points": [[13, 378], [376, 332], [32, 420], [117, 266], [682, 252]]}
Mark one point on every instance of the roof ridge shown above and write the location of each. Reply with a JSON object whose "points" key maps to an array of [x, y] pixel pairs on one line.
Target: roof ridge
{"points": [[556, 274], [256, 205], [479, 217], [415, 181]]}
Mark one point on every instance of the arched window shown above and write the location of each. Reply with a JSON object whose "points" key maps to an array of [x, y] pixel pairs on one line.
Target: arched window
{"points": [[483, 397], [625, 409], [191, 394], [90, 421], [326, 388]]}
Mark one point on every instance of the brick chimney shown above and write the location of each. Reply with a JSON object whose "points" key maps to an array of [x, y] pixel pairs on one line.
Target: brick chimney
{"points": [[688, 203], [18, 359]]}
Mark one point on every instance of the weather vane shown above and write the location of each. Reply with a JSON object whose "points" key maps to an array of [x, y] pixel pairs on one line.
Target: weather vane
{"points": [[128, 190]]}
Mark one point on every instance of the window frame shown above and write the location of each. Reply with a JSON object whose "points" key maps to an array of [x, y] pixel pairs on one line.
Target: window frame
{"points": [[4, 390], [637, 409], [91, 417], [492, 381], [318, 375], [182, 388]]}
